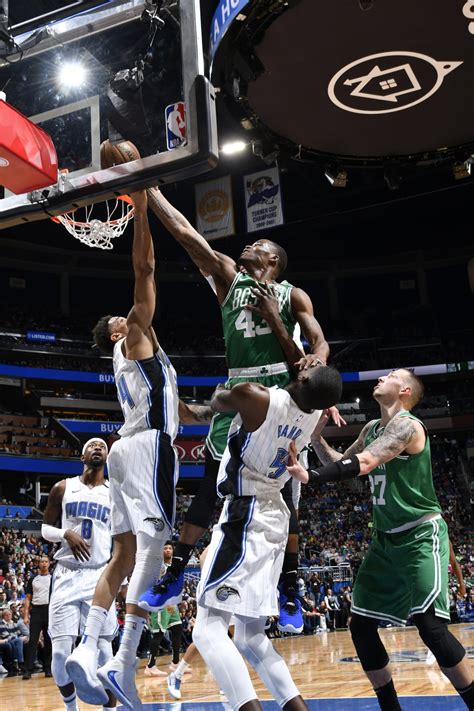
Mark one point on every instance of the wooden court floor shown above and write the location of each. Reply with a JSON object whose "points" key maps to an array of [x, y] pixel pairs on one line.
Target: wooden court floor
{"points": [[323, 667]]}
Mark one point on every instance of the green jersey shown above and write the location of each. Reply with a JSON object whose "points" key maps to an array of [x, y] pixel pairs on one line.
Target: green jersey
{"points": [[249, 340], [402, 489]]}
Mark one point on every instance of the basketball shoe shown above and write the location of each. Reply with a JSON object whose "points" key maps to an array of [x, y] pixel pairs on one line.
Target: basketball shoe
{"points": [[291, 615], [168, 590], [174, 686], [120, 680], [81, 667]]}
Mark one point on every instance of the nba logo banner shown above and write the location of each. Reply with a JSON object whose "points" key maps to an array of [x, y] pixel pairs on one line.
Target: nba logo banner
{"points": [[175, 117], [214, 208], [263, 200]]}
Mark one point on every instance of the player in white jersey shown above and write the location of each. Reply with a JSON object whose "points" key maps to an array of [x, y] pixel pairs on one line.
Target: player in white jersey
{"points": [[245, 556], [142, 470], [78, 516]]}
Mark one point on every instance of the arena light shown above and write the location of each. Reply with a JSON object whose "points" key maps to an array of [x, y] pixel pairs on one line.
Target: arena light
{"points": [[337, 176], [233, 147], [72, 75]]}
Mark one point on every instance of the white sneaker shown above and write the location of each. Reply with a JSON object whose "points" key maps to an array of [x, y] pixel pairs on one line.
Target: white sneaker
{"points": [[81, 667], [120, 680], [174, 686], [3, 670]]}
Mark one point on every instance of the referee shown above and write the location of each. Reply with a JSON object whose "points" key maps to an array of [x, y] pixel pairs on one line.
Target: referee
{"points": [[38, 591]]}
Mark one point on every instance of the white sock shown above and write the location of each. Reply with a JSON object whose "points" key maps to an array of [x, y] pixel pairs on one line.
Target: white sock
{"points": [[95, 621], [70, 702], [181, 669], [132, 632]]}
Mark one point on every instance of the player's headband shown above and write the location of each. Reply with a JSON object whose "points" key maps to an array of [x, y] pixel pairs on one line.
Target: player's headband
{"points": [[94, 439]]}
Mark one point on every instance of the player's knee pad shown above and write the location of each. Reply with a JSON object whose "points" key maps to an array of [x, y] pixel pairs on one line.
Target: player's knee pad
{"points": [[62, 648], [148, 560], [105, 650], [369, 647], [435, 634]]}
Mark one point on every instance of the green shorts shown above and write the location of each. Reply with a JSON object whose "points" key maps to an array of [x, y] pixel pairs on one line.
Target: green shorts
{"points": [[164, 619], [404, 574], [216, 441]]}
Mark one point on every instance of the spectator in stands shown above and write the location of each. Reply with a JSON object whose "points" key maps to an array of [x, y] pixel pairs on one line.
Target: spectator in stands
{"points": [[11, 643]]}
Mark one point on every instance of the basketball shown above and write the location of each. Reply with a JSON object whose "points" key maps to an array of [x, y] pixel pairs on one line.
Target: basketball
{"points": [[116, 153]]}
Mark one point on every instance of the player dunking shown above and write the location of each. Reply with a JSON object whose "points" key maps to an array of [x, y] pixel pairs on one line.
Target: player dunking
{"points": [[143, 471], [78, 517], [405, 572], [259, 325], [245, 556]]}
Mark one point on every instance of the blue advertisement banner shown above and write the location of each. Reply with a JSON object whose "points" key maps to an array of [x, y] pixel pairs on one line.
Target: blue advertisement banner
{"points": [[225, 14], [105, 428], [41, 336]]}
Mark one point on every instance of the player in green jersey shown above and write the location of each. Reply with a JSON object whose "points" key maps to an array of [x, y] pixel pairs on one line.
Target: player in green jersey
{"points": [[405, 571], [260, 316]]}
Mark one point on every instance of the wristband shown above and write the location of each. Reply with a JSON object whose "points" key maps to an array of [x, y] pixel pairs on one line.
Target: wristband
{"points": [[52, 534], [346, 468]]}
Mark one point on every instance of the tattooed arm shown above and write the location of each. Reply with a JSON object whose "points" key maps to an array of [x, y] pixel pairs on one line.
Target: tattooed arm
{"points": [[194, 414], [402, 434], [326, 454]]}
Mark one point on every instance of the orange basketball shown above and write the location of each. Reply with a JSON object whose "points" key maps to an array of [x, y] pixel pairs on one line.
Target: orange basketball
{"points": [[116, 153]]}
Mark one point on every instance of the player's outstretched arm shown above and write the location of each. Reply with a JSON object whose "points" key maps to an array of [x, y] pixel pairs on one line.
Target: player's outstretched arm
{"points": [[211, 263], [194, 414], [138, 342], [50, 531]]}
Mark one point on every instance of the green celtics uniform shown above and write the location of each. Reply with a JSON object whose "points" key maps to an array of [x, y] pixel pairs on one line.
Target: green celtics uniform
{"points": [[405, 570], [164, 619], [252, 350]]}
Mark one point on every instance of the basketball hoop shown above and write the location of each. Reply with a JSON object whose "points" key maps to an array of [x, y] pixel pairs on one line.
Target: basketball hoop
{"points": [[99, 233]]}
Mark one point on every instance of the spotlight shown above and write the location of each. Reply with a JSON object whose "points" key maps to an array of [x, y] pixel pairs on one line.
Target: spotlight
{"points": [[337, 176], [233, 147], [393, 177], [72, 75], [462, 170]]}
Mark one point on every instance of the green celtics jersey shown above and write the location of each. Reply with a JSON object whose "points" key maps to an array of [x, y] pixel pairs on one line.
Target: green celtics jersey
{"points": [[402, 489], [249, 340]]}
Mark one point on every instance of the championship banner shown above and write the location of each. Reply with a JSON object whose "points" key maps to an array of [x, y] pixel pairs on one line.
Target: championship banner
{"points": [[263, 200], [214, 208]]}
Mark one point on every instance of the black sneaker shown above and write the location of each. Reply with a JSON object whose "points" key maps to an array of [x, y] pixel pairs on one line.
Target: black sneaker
{"points": [[26, 676]]}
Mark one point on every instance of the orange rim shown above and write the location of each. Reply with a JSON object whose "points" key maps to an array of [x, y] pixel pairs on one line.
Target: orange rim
{"points": [[127, 216]]}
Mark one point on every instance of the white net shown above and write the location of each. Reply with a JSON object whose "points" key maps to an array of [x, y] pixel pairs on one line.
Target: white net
{"points": [[99, 233]]}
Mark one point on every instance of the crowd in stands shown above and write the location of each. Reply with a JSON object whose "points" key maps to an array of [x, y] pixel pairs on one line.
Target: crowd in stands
{"points": [[22, 434]]}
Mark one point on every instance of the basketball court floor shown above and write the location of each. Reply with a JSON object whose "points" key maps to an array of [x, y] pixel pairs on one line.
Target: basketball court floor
{"points": [[324, 667]]}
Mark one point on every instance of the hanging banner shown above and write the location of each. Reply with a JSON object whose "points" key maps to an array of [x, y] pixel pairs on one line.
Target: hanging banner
{"points": [[214, 208], [263, 200], [225, 14]]}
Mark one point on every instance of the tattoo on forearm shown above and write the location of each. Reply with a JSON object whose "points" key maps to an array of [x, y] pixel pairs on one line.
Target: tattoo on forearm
{"points": [[394, 440], [326, 454], [202, 413]]}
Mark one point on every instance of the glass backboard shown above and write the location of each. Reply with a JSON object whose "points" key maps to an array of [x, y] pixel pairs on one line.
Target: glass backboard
{"points": [[119, 71]]}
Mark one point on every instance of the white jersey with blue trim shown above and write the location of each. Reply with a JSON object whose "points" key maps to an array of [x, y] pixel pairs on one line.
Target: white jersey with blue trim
{"points": [[86, 510], [254, 463], [148, 393]]}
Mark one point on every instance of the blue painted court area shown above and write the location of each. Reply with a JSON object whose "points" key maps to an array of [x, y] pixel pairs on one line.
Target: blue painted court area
{"points": [[408, 703]]}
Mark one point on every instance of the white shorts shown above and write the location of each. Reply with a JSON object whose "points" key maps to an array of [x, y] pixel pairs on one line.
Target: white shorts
{"points": [[245, 557], [143, 472], [71, 598]]}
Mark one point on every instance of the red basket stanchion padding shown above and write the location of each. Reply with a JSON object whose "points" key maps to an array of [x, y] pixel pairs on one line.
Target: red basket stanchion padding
{"points": [[28, 159]]}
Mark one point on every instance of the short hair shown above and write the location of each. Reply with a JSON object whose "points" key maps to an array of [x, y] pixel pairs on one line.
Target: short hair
{"points": [[169, 543], [282, 256], [101, 334], [324, 387], [417, 387]]}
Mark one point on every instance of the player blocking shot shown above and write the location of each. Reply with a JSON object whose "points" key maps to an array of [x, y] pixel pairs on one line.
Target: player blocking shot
{"points": [[77, 516], [245, 556], [262, 315]]}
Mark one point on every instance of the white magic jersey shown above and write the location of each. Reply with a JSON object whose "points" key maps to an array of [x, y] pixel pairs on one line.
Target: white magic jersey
{"points": [[86, 511], [147, 392], [254, 463]]}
